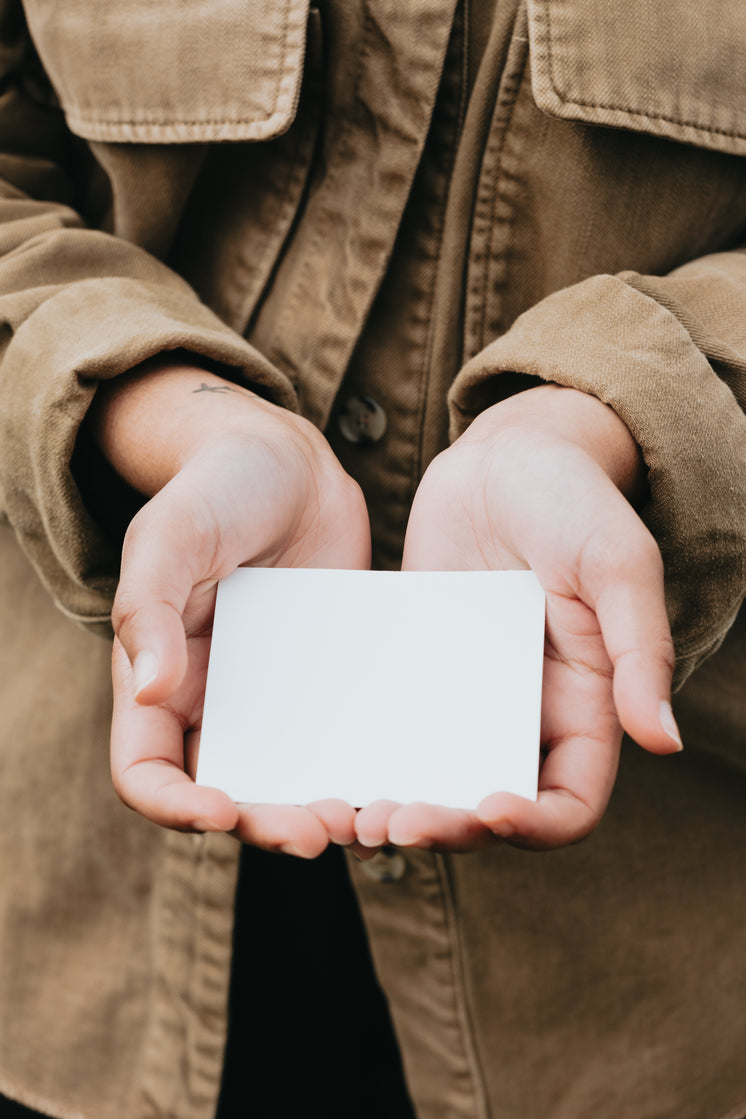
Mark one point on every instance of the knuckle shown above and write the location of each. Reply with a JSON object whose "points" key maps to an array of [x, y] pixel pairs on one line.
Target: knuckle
{"points": [[659, 651], [588, 826], [121, 785], [442, 477], [586, 817], [663, 652], [633, 559], [644, 554], [124, 613], [342, 494]]}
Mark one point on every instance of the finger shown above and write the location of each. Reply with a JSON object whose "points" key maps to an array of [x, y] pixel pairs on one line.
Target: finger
{"points": [[631, 611], [364, 854], [338, 818], [433, 827], [155, 583], [163, 793], [556, 819], [147, 769], [371, 822], [431, 541], [575, 784], [282, 828]]}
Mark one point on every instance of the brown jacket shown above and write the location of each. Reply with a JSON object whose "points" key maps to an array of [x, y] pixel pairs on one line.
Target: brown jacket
{"points": [[415, 202]]}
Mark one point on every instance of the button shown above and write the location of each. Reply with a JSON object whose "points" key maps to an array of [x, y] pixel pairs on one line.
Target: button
{"points": [[362, 420], [386, 866]]}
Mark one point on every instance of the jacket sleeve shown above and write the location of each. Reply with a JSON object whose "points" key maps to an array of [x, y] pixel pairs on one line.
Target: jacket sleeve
{"points": [[668, 354], [77, 306]]}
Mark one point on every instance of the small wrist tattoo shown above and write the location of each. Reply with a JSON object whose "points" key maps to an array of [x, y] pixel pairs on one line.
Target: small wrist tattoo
{"points": [[215, 388]]}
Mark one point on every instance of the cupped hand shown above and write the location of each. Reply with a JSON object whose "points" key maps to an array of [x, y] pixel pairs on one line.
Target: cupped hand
{"points": [[540, 481], [236, 481]]}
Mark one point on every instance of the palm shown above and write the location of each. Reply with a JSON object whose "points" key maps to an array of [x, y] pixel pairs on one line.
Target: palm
{"points": [[246, 501], [580, 732], [546, 505]]}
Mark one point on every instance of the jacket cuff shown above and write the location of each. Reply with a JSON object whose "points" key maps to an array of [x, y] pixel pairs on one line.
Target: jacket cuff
{"points": [[606, 338], [92, 331]]}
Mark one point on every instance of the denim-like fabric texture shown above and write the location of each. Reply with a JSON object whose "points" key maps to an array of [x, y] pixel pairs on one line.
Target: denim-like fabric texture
{"points": [[171, 89]]}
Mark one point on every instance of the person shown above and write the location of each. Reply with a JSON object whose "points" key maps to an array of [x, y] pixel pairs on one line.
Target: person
{"points": [[226, 230]]}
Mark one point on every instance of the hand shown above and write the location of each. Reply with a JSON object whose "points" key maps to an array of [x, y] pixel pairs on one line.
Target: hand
{"points": [[539, 481], [236, 481]]}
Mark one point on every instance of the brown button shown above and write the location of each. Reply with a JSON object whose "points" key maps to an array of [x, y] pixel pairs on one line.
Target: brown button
{"points": [[362, 420], [386, 866]]}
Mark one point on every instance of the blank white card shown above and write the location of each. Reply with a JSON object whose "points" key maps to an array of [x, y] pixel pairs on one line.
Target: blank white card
{"points": [[406, 686]]}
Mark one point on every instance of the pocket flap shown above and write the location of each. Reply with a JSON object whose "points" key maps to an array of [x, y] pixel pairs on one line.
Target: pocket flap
{"points": [[155, 71], [674, 69]]}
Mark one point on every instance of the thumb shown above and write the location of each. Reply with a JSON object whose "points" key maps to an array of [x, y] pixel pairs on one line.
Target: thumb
{"points": [[155, 584], [631, 610]]}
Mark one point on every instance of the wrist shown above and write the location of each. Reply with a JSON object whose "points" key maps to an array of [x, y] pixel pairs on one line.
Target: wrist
{"points": [[577, 418], [150, 421]]}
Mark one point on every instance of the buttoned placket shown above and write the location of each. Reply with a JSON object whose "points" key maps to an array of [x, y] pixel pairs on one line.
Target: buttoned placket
{"points": [[379, 97]]}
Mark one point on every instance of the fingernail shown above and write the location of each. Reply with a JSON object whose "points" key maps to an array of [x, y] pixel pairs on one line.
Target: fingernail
{"points": [[290, 849], [369, 841], [505, 830], [364, 856], [669, 723], [204, 824], [403, 838], [144, 670]]}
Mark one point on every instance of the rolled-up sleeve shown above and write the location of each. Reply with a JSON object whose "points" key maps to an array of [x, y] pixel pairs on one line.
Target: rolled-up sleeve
{"points": [[668, 354], [77, 307]]}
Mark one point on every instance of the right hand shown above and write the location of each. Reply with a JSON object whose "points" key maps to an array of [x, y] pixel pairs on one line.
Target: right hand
{"points": [[237, 481]]}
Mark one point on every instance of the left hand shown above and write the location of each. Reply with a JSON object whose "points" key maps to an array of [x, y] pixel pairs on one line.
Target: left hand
{"points": [[542, 481]]}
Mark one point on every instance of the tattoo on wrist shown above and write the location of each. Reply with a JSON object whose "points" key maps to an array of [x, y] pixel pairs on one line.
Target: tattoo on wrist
{"points": [[215, 388]]}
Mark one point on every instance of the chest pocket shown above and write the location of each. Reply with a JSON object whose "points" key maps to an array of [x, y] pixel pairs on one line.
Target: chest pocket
{"points": [[155, 71], [674, 69]]}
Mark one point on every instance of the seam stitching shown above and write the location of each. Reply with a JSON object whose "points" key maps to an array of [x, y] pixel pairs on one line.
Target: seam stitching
{"points": [[159, 123], [425, 367], [493, 222], [621, 108], [459, 990]]}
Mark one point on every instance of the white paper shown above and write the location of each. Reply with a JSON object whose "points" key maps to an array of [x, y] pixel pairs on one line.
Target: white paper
{"points": [[407, 686]]}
